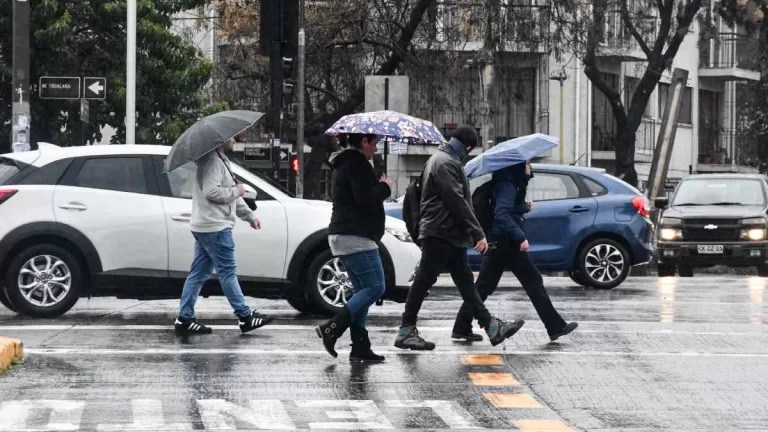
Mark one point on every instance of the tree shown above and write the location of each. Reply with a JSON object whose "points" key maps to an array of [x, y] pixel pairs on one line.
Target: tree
{"points": [[87, 38], [657, 27]]}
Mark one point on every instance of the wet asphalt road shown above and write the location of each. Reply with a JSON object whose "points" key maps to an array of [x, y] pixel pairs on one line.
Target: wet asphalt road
{"points": [[653, 354]]}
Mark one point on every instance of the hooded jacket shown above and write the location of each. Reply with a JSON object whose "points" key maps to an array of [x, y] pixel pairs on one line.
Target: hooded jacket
{"points": [[510, 188], [358, 197], [446, 203]]}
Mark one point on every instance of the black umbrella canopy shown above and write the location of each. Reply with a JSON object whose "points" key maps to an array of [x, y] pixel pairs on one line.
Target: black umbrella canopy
{"points": [[208, 134]]}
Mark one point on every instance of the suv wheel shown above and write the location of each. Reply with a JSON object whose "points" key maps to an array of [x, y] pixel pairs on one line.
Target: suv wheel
{"points": [[301, 304], [5, 301], [327, 285], [666, 270], [44, 281], [685, 271], [603, 264]]}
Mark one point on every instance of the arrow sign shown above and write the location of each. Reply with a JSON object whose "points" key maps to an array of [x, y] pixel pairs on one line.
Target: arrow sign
{"points": [[95, 88]]}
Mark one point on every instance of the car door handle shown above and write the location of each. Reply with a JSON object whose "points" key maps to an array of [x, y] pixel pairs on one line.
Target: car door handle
{"points": [[73, 206], [578, 209], [184, 217]]}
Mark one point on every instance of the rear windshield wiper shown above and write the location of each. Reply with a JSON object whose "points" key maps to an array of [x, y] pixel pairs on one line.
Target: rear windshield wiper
{"points": [[726, 203], [687, 205]]}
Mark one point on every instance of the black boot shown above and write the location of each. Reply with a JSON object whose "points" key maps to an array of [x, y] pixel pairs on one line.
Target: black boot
{"points": [[332, 330], [361, 346]]}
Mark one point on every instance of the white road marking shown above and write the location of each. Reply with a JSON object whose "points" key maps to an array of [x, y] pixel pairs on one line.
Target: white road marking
{"points": [[290, 327], [64, 415], [450, 412], [365, 412], [219, 414], [323, 353], [147, 416]]}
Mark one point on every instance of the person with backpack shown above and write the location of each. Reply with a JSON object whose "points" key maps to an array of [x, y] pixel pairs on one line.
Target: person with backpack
{"points": [[357, 225], [446, 228], [507, 204]]}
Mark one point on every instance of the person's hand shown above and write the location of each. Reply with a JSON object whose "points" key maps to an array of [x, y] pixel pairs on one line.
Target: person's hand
{"points": [[482, 246], [256, 224], [387, 180], [240, 190], [524, 246], [530, 205]]}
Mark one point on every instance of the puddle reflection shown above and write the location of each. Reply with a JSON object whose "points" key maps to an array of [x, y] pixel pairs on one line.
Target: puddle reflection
{"points": [[666, 287], [756, 286]]}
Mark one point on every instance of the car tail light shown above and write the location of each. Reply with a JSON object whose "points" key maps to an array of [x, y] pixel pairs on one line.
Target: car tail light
{"points": [[642, 205], [6, 193]]}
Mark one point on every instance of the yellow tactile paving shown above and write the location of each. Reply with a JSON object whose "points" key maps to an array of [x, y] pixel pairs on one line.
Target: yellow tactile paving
{"points": [[482, 360], [493, 379], [541, 426], [512, 400], [10, 351]]}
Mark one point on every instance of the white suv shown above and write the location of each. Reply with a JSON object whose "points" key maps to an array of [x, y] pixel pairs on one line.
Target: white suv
{"points": [[104, 220]]}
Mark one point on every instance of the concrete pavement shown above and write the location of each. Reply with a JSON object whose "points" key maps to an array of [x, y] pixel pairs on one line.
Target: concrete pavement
{"points": [[653, 354]]}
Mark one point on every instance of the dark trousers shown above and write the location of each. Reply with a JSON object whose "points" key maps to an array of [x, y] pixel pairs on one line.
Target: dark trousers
{"points": [[507, 254], [438, 254]]}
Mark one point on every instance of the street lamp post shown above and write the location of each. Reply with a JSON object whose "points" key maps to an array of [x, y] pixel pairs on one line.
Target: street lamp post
{"points": [[561, 77]]}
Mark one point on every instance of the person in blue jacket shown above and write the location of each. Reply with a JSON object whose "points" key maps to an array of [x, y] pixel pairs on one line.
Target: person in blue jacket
{"points": [[508, 249]]}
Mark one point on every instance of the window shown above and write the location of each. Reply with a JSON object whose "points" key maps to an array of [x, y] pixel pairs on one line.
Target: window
{"points": [[8, 170], [630, 85], [603, 123], [47, 175], [719, 191], [550, 186], [594, 188], [182, 181], [123, 174], [686, 110]]}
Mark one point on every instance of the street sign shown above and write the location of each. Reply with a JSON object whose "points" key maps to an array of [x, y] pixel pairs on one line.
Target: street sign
{"points": [[85, 111], [59, 88], [256, 154], [94, 88]]}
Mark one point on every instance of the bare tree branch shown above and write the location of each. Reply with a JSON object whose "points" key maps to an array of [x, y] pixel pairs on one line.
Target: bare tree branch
{"points": [[684, 19], [631, 27]]}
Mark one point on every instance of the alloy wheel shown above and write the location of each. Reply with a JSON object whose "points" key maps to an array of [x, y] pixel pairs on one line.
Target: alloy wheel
{"points": [[44, 280]]}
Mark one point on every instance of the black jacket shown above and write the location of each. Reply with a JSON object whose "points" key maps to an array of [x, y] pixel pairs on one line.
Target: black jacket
{"points": [[446, 202], [510, 189], [358, 197]]}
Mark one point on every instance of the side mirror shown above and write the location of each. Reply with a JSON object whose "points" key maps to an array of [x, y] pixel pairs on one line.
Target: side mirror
{"points": [[661, 202]]}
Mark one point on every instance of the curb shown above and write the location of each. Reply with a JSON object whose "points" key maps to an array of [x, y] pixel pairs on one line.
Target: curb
{"points": [[11, 351]]}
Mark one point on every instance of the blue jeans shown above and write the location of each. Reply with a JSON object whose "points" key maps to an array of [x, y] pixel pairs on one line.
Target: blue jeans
{"points": [[366, 273], [216, 249]]}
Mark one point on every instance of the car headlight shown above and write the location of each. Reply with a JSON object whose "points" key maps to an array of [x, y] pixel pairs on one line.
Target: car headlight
{"points": [[670, 234], [670, 221], [753, 221], [401, 235], [754, 234]]}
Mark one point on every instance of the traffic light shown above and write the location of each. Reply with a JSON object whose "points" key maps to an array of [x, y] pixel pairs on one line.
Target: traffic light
{"points": [[286, 76], [295, 163]]}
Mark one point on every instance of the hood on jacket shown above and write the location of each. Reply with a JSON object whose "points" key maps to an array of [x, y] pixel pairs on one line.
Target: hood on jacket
{"points": [[515, 174], [345, 155]]}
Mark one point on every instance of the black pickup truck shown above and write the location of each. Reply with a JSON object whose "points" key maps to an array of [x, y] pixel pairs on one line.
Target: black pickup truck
{"points": [[714, 219]]}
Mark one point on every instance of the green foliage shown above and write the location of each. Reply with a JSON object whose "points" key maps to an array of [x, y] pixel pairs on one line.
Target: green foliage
{"points": [[88, 38]]}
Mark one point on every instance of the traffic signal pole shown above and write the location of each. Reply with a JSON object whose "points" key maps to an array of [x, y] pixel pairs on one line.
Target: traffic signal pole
{"points": [[300, 106], [21, 120]]}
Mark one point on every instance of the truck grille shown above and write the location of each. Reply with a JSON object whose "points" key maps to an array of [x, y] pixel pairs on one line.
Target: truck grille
{"points": [[719, 234]]}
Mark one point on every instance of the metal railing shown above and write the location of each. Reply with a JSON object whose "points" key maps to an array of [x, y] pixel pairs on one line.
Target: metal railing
{"points": [[614, 33], [645, 138], [520, 21], [729, 50]]}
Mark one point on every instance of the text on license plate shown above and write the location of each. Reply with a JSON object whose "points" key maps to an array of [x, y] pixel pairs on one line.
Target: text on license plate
{"points": [[710, 249]]}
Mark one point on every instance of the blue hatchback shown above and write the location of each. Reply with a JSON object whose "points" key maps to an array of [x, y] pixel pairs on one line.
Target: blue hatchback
{"points": [[584, 221]]}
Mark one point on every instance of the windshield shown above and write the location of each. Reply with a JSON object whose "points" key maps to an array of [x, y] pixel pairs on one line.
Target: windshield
{"points": [[719, 191], [8, 169]]}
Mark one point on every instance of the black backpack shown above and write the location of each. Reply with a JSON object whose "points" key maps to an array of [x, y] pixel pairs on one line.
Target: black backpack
{"points": [[412, 208], [484, 204]]}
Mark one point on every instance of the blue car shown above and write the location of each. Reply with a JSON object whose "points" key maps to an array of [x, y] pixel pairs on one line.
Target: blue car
{"points": [[584, 222]]}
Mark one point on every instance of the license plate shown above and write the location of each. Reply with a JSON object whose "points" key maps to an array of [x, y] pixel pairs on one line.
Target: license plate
{"points": [[710, 249]]}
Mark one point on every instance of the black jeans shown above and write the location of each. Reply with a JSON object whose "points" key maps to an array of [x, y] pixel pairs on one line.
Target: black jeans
{"points": [[436, 255], [507, 253]]}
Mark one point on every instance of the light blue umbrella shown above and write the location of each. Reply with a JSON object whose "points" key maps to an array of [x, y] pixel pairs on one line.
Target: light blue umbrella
{"points": [[510, 153]]}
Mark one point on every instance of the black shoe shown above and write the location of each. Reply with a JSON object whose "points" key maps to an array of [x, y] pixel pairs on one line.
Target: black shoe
{"points": [[254, 321], [361, 347], [498, 330], [469, 337], [568, 329], [190, 327], [408, 338], [332, 331]]}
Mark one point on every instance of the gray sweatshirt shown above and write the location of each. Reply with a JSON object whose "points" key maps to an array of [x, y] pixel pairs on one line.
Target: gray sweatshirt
{"points": [[215, 201]]}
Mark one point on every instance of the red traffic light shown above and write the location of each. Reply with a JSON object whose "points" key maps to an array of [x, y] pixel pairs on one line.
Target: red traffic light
{"points": [[295, 163]]}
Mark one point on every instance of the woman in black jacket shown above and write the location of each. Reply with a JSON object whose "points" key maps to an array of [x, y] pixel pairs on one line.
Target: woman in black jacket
{"points": [[357, 225]]}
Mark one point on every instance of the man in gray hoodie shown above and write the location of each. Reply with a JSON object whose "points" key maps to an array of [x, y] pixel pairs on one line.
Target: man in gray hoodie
{"points": [[216, 200]]}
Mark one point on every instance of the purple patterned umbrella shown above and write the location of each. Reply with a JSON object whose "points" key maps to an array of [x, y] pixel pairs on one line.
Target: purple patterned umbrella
{"points": [[388, 125]]}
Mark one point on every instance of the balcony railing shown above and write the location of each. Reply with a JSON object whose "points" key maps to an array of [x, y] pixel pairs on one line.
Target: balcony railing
{"points": [[615, 36], [645, 137], [729, 50]]}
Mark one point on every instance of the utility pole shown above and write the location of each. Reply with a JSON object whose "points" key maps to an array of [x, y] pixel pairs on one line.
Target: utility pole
{"points": [[22, 119], [561, 77], [300, 105], [130, 75]]}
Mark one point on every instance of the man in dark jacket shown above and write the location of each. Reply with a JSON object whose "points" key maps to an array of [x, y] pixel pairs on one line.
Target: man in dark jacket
{"points": [[509, 250], [447, 228]]}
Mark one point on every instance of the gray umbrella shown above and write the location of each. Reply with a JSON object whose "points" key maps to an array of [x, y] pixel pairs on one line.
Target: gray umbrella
{"points": [[207, 134]]}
